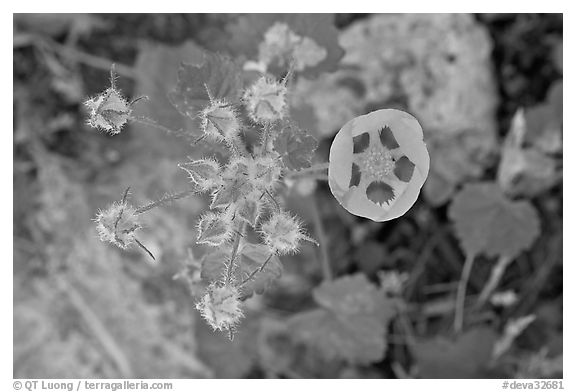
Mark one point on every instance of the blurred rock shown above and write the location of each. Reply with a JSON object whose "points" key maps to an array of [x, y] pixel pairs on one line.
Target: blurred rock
{"points": [[435, 66]]}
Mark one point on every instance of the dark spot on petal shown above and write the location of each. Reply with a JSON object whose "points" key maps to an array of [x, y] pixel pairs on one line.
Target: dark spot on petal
{"points": [[404, 169], [379, 192], [387, 138], [355, 179], [361, 142]]}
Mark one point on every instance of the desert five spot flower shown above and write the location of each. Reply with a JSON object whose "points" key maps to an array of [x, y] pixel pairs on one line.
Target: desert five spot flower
{"points": [[378, 163]]}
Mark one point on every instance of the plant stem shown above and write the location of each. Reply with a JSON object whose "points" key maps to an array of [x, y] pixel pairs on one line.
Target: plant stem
{"points": [[90, 59], [235, 245], [495, 277], [461, 294], [166, 199], [257, 270], [323, 242]]}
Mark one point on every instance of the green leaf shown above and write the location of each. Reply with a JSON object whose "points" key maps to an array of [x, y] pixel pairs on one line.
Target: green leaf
{"points": [[354, 295], [486, 222], [465, 357], [351, 324], [213, 230], [250, 257], [246, 37], [358, 339], [217, 74], [295, 146]]}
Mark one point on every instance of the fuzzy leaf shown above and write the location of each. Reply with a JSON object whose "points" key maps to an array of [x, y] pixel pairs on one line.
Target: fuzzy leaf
{"points": [[202, 172], [213, 230], [250, 211], [250, 258], [220, 75], [295, 146], [486, 222]]}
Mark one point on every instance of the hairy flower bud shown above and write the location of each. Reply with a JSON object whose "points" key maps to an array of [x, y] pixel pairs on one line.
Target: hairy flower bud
{"points": [[265, 100], [220, 306], [282, 233], [109, 111], [118, 224]]}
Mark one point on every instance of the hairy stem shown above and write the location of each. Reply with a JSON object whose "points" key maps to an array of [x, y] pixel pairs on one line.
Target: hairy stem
{"points": [[166, 199], [230, 266], [257, 270], [323, 242], [461, 294]]}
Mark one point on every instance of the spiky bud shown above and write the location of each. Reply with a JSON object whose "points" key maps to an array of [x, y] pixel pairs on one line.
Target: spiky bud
{"points": [[265, 100], [203, 172], [282, 233], [220, 306], [109, 111], [214, 229], [118, 224], [264, 172], [220, 122]]}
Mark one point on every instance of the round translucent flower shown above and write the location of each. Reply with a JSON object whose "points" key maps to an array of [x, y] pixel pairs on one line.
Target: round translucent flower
{"points": [[378, 164], [220, 306], [265, 100], [118, 224], [283, 233]]}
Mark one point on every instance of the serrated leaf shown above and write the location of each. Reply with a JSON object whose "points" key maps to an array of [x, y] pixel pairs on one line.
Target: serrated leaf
{"points": [[232, 190], [156, 67], [295, 146], [213, 230], [250, 258], [486, 222], [357, 339], [248, 32], [250, 211], [217, 74], [202, 172], [464, 357]]}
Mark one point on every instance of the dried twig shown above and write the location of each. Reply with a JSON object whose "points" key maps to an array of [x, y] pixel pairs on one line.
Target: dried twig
{"points": [[97, 327]]}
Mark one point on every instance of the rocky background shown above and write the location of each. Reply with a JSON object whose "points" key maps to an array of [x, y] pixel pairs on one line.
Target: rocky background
{"points": [[488, 92]]}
